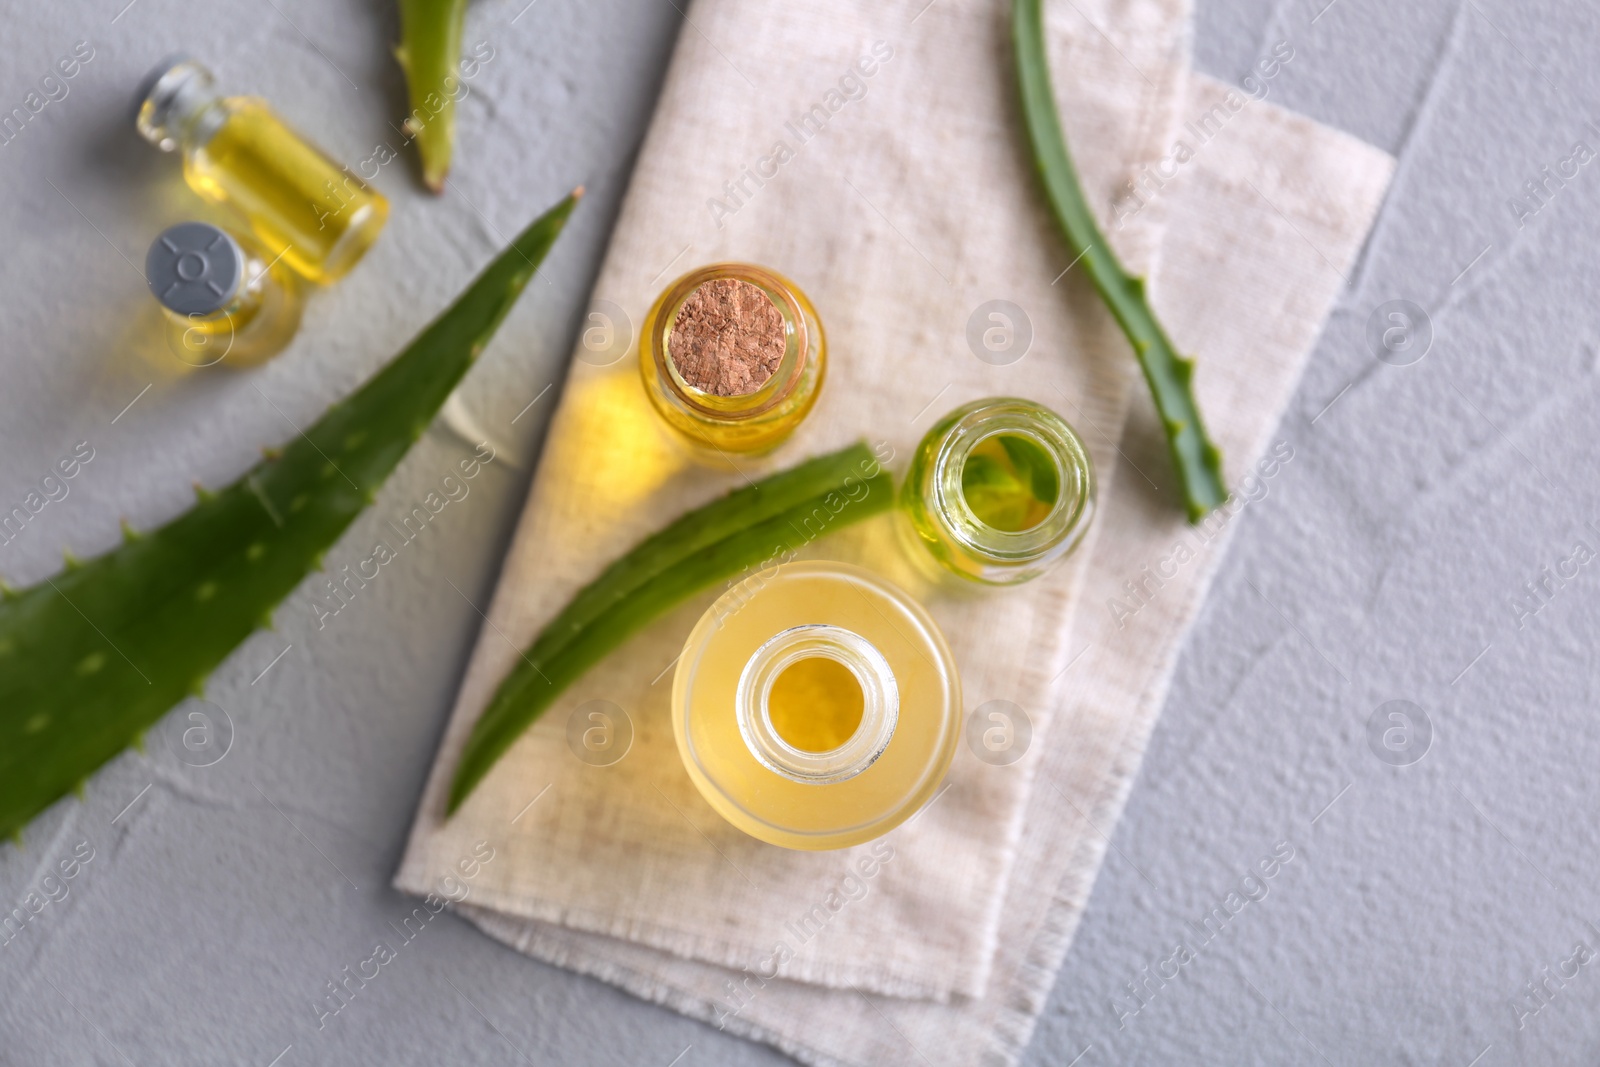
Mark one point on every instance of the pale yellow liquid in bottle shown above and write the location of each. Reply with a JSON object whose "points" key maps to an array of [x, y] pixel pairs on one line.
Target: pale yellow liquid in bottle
{"points": [[300, 204], [816, 705]]}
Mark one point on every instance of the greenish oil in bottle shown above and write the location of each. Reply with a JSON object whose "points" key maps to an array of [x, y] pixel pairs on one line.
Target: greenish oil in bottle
{"points": [[999, 491], [1010, 483]]}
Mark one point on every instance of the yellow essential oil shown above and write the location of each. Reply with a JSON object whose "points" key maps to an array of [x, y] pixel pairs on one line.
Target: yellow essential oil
{"points": [[999, 491], [300, 204], [752, 422], [816, 706], [220, 298]]}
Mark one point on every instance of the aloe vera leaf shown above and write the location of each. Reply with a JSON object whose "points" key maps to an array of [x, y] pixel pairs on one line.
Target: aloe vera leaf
{"points": [[92, 657], [430, 46], [754, 533], [1169, 374], [698, 529]]}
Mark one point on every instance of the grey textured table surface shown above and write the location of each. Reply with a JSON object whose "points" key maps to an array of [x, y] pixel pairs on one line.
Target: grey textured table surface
{"points": [[1430, 542]]}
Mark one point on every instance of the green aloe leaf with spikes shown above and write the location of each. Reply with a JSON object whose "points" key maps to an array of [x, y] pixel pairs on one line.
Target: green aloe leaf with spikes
{"points": [[90, 658]]}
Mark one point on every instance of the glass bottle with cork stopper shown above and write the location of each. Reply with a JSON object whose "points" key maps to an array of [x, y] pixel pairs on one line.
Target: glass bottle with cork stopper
{"points": [[300, 204], [999, 491], [733, 356]]}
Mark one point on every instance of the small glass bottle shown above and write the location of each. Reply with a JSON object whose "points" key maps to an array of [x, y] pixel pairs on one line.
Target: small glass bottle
{"points": [[220, 298], [760, 412], [300, 204], [999, 491], [816, 706]]}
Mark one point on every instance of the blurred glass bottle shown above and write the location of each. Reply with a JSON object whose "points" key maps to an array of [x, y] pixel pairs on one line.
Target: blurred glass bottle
{"points": [[300, 204], [221, 298]]}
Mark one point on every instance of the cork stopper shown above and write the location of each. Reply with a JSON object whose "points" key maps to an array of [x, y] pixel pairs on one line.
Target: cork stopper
{"points": [[728, 338]]}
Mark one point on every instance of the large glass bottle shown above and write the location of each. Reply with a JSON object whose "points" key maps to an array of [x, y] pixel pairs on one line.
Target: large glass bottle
{"points": [[816, 706]]}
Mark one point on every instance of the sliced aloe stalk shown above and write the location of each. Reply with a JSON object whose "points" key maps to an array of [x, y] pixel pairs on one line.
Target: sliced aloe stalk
{"points": [[1169, 375]]}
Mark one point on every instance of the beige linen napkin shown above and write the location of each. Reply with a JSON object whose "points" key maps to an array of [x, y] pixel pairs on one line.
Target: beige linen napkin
{"points": [[871, 152], [1262, 222], [1264, 216]]}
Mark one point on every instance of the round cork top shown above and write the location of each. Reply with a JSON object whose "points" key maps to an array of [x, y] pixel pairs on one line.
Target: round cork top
{"points": [[727, 338]]}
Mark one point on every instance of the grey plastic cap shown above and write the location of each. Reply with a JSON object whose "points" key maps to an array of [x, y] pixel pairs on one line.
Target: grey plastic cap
{"points": [[195, 268]]}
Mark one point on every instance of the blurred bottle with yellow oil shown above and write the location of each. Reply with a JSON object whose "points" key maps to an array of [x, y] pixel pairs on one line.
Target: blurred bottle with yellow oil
{"points": [[220, 297], [303, 208]]}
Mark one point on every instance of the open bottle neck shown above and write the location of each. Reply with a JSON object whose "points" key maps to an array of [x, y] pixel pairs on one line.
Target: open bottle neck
{"points": [[880, 704], [1047, 437], [180, 106]]}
